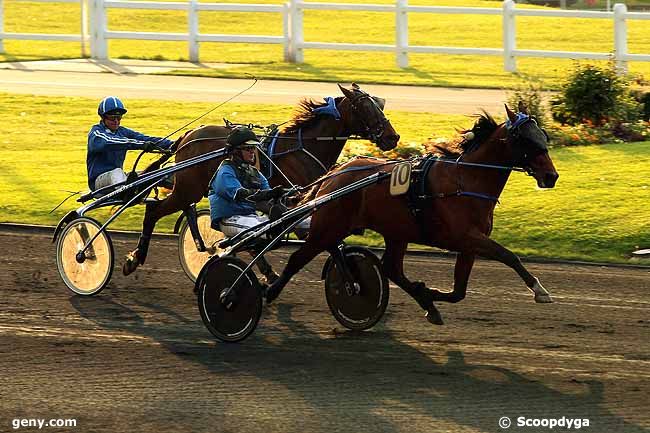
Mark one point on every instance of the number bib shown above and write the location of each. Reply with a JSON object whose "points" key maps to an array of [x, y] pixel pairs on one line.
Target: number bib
{"points": [[400, 178]]}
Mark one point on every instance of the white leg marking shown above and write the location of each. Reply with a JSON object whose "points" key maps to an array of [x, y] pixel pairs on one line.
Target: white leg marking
{"points": [[542, 296]]}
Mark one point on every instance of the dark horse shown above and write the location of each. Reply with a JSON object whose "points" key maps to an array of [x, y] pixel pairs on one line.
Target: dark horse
{"points": [[307, 147], [452, 207]]}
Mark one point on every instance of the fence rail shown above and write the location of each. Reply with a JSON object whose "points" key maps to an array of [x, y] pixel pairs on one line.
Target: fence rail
{"points": [[82, 37], [292, 38]]}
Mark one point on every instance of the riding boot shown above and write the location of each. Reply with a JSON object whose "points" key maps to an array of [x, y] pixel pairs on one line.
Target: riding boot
{"points": [[265, 268]]}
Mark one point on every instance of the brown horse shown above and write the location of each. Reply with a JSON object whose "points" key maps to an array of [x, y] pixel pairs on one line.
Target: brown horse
{"points": [[451, 208], [307, 147]]}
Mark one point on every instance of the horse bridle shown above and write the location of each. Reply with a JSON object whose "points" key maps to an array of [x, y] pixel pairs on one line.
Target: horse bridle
{"points": [[374, 132], [524, 155]]}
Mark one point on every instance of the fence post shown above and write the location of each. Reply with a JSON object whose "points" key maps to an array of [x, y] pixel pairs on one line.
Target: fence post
{"points": [[296, 54], [98, 44], [402, 33], [620, 37], [84, 28], [286, 45], [509, 36], [193, 30], [2, 27]]}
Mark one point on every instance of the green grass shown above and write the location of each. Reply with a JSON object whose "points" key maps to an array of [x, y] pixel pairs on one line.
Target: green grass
{"points": [[265, 61], [597, 212]]}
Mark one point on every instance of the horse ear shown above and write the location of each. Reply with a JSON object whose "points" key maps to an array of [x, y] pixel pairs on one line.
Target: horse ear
{"points": [[380, 101], [355, 86], [348, 93], [521, 107], [511, 115]]}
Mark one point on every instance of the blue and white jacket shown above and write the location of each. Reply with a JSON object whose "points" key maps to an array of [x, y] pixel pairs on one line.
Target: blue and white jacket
{"points": [[107, 149], [223, 187]]}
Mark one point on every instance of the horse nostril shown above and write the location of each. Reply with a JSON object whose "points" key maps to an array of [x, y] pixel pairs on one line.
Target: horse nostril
{"points": [[551, 178]]}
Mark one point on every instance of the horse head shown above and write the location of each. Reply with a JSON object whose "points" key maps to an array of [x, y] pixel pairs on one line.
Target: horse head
{"points": [[365, 117], [529, 147]]}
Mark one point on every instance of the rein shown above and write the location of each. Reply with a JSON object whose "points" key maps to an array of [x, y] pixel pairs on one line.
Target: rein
{"points": [[348, 170]]}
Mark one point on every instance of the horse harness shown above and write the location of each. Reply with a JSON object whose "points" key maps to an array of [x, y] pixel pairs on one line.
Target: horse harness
{"points": [[418, 193], [268, 147]]}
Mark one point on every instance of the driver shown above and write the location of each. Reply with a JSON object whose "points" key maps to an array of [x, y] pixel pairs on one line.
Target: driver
{"points": [[108, 142], [238, 189]]}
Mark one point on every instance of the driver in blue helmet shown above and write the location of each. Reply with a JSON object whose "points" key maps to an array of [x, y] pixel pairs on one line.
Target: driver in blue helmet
{"points": [[108, 142]]}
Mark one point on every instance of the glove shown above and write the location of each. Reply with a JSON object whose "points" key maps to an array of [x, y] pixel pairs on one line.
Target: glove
{"points": [[277, 192]]}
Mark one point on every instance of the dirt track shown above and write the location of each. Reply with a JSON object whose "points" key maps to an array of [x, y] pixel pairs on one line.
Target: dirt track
{"points": [[136, 358]]}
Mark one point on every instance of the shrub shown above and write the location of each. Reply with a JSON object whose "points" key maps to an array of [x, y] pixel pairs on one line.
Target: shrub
{"points": [[643, 98], [596, 95]]}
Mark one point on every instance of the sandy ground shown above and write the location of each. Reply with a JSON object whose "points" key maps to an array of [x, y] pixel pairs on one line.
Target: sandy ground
{"points": [[137, 358]]}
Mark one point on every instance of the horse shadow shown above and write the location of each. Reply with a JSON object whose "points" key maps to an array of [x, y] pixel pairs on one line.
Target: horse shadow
{"points": [[358, 381]]}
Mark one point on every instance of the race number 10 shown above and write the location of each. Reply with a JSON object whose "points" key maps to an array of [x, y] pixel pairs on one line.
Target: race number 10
{"points": [[400, 178]]}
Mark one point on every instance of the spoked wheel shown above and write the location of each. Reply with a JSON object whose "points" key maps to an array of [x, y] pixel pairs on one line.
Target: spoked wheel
{"points": [[89, 273], [362, 309], [192, 260], [235, 317]]}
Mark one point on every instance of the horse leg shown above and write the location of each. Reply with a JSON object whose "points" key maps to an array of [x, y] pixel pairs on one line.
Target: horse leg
{"points": [[492, 250], [393, 267], [463, 268], [153, 212], [297, 261]]}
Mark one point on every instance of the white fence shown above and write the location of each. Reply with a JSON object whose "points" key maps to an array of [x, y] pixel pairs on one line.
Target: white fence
{"points": [[100, 33], [294, 44], [82, 37]]}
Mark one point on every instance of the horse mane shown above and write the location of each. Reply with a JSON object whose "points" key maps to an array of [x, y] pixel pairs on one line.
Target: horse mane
{"points": [[484, 127], [303, 115]]}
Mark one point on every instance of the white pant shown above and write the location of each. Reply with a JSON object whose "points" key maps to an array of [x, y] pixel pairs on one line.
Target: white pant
{"points": [[236, 224], [112, 177]]}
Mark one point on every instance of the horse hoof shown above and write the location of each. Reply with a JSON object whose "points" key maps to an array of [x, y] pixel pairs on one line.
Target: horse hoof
{"points": [[271, 294], [433, 316], [543, 298], [130, 265]]}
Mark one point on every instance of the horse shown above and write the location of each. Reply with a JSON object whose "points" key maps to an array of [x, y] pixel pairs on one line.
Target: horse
{"points": [[452, 206], [307, 147]]}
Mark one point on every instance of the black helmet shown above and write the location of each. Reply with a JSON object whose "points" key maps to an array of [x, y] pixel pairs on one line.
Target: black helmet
{"points": [[241, 136]]}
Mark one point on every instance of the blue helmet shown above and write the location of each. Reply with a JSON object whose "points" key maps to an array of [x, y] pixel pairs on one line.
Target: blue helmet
{"points": [[111, 105]]}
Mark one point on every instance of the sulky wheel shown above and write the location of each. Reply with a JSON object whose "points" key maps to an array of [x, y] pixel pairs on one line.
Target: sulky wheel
{"points": [[234, 318], [85, 274], [360, 310], [192, 260]]}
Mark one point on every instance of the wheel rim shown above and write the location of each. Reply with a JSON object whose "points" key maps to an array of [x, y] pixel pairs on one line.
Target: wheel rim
{"points": [[191, 258], [90, 276], [238, 322], [362, 310]]}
